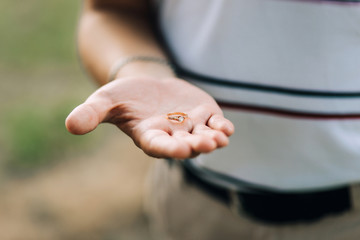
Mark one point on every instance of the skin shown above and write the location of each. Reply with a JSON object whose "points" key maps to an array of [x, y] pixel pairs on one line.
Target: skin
{"points": [[142, 94]]}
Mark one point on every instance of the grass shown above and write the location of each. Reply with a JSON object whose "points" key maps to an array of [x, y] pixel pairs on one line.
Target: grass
{"points": [[37, 32], [36, 137], [41, 82]]}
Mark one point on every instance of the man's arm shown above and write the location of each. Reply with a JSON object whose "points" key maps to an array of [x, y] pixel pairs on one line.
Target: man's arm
{"points": [[110, 30], [143, 93]]}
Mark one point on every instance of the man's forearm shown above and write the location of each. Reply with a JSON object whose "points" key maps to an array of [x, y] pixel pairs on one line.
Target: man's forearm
{"points": [[113, 32]]}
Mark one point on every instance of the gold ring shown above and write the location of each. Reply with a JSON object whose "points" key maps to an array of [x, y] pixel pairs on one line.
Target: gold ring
{"points": [[177, 116]]}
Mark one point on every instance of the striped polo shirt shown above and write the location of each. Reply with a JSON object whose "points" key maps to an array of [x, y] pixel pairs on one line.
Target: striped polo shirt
{"points": [[287, 74]]}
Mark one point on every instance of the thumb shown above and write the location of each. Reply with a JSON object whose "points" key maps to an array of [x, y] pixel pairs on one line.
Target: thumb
{"points": [[87, 116]]}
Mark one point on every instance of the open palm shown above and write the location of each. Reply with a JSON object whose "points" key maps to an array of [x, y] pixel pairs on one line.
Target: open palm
{"points": [[139, 107]]}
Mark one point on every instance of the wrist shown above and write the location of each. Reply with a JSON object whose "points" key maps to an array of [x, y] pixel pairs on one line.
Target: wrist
{"points": [[141, 66]]}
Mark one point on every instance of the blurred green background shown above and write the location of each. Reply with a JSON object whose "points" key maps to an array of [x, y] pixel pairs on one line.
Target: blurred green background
{"points": [[50, 180], [41, 81]]}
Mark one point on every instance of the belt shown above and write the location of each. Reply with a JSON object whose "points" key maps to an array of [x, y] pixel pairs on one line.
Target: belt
{"points": [[277, 207]]}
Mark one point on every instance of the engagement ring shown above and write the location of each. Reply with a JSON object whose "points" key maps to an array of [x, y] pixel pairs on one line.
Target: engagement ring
{"points": [[177, 116]]}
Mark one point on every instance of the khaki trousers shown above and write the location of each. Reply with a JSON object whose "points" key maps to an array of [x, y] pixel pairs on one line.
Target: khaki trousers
{"points": [[179, 211]]}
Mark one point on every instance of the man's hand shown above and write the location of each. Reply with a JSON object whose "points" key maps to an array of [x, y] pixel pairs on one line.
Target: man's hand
{"points": [[139, 107]]}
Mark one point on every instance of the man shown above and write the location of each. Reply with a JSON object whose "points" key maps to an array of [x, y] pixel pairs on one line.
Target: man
{"points": [[284, 70]]}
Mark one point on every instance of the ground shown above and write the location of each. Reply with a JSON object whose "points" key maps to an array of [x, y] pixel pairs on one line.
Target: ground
{"points": [[95, 196]]}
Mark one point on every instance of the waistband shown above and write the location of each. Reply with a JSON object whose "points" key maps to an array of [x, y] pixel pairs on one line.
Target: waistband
{"points": [[278, 207]]}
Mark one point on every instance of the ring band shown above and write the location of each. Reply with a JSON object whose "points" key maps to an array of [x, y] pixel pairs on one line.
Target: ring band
{"points": [[177, 116]]}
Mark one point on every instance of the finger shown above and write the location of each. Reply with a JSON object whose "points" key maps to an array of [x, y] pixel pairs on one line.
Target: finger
{"points": [[158, 143], [87, 116], [218, 122], [198, 143], [217, 136]]}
